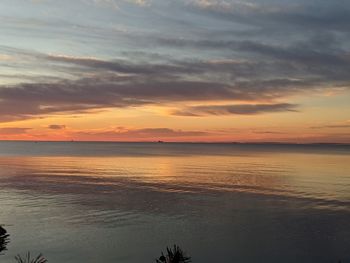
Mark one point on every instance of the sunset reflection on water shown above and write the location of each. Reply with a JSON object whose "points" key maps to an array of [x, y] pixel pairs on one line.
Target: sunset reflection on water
{"points": [[64, 206]]}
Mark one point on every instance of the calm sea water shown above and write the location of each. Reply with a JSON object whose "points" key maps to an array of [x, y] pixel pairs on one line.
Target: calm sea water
{"points": [[125, 202]]}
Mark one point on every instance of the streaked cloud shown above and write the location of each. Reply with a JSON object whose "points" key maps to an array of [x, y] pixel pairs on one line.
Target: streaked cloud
{"points": [[57, 127], [321, 15], [333, 126], [148, 134], [243, 109], [13, 131], [115, 3], [120, 84]]}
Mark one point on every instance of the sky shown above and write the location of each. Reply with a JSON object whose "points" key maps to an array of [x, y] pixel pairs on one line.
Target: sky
{"points": [[175, 70]]}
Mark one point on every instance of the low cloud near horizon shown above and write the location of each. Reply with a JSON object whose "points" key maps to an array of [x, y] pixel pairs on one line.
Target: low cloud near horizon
{"points": [[13, 131]]}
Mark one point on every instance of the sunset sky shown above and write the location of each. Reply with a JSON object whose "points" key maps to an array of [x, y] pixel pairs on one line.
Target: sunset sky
{"points": [[175, 70]]}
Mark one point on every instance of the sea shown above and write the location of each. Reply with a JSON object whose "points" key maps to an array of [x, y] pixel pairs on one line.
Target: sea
{"points": [[92, 202]]}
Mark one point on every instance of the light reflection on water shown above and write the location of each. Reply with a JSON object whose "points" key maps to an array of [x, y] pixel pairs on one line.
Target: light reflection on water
{"points": [[279, 206]]}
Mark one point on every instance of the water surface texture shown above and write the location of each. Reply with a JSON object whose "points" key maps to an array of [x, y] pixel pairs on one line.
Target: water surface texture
{"points": [[124, 202]]}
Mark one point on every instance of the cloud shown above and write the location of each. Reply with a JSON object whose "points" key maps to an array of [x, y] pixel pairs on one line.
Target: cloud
{"points": [[37, 1], [121, 66], [303, 55], [32, 100], [319, 58], [269, 132], [331, 126], [243, 109], [102, 84], [13, 131], [4, 57], [57, 127], [317, 15], [115, 3], [107, 3], [122, 133], [139, 2]]}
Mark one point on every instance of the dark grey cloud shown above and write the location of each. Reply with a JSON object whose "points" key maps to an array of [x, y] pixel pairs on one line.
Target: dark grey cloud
{"points": [[169, 67], [331, 126], [303, 15], [320, 58], [315, 57], [269, 132], [119, 83], [30, 100], [175, 69], [123, 66], [243, 109], [110, 91], [57, 127]]}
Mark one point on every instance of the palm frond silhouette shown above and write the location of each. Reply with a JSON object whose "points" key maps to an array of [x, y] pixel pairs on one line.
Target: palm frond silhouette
{"points": [[174, 255], [4, 239], [28, 259]]}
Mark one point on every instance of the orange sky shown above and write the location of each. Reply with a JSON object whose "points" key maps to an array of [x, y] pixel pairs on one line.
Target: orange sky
{"points": [[313, 124]]}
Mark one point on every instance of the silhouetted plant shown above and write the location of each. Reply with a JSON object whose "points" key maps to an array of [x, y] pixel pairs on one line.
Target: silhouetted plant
{"points": [[2, 231], [28, 259], [4, 239], [175, 255]]}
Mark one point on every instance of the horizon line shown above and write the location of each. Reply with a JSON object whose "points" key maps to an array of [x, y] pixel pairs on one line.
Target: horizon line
{"points": [[189, 142]]}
